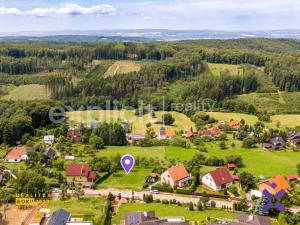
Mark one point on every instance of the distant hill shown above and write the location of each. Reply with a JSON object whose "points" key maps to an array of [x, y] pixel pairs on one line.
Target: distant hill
{"points": [[143, 35]]}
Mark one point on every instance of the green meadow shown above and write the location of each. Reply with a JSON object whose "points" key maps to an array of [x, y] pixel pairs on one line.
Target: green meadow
{"points": [[171, 210]]}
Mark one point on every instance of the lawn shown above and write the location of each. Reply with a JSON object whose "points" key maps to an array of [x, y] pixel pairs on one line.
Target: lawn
{"points": [[85, 208], [122, 67], [27, 92], [2, 153], [286, 121], [256, 160], [132, 181], [182, 122], [216, 69], [172, 211]]}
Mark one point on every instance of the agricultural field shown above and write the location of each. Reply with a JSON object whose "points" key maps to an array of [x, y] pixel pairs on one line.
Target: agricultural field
{"points": [[122, 67], [86, 208], [27, 93], [279, 103], [182, 122], [171, 210], [285, 121], [216, 69]]}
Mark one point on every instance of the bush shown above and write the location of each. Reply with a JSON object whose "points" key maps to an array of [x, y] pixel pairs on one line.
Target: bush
{"points": [[163, 188], [165, 202], [184, 191], [213, 204], [96, 142], [168, 119]]}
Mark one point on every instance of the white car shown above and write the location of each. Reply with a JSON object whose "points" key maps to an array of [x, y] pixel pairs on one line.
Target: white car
{"points": [[154, 191], [55, 190]]}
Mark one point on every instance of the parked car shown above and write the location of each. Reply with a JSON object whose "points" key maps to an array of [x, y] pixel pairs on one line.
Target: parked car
{"points": [[154, 191]]}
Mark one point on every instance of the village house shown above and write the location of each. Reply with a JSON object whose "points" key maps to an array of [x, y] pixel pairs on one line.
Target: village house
{"points": [[231, 166], [232, 124], [294, 138], [275, 143], [245, 219], [218, 179], [80, 174], [62, 217], [210, 133], [18, 154], [149, 218], [75, 136], [189, 134], [176, 176], [49, 139], [164, 133], [49, 154], [280, 184]]}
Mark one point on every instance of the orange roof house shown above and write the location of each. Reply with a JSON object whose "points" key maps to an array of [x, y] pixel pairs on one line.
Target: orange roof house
{"points": [[18, 154], [281, 184], [211, 132], [176, 176], [234, 124], [166, 133]]}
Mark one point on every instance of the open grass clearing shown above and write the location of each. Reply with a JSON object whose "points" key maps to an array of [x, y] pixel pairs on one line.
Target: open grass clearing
{"points": [[279, 103], [216, 69], [171, 211], [28, 92], [122, 67]]}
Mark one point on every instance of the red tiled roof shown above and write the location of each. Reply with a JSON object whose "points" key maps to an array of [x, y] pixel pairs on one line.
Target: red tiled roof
{"points": [[167, 133], [78, 170], [189, 134], [178, 172], [235, 177], [221, 176], [74, 134], [92, 175], [17, 152], [231, 165], [293, 177]]}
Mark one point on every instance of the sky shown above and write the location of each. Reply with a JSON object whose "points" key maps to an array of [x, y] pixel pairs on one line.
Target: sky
{"points": [[53, 15]]}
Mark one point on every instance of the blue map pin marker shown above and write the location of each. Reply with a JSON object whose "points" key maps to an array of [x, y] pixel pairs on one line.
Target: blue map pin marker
{"points": [[127, 162]]}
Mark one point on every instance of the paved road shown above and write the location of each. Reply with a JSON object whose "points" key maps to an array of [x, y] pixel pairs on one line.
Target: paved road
{"points": [[161, 196]]}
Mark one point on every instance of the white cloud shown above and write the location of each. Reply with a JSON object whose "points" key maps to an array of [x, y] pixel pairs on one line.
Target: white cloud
{"points": [[65, 10], [9, 11], [147, 18]]}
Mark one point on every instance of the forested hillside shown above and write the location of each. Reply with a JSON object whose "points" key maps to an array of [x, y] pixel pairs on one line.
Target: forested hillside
{"points": [[175, 71]]}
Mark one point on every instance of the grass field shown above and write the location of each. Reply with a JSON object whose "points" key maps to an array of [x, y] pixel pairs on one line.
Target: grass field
{"points": [[171, 210], [85, 208], [160, 152], [27, 92], [122, 67], [279, 103], [216, 69], [182, 122], [256, 160], [132, 181], [286, 121]]}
